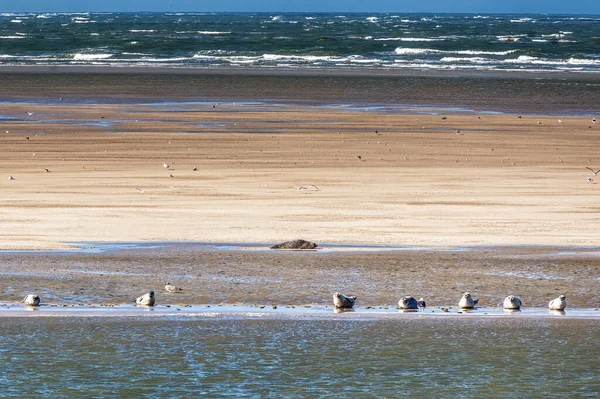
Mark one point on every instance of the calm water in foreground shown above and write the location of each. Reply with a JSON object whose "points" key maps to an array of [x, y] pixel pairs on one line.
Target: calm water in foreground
{"points": [[246, 357]]}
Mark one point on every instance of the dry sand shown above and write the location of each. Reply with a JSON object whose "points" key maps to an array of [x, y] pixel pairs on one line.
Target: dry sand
{"points": [[421, 180]]}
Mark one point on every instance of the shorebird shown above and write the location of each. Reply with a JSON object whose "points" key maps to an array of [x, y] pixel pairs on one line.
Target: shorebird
{"points": [[141, 190], [594, 172], [146, 300], [194, 169], [343, 302], [31, 300], [46, 170], [589, 180], [559, 303], [10, 177], [166, 165], [29, 113], [593, 120], [172, 288], [421, 303]]}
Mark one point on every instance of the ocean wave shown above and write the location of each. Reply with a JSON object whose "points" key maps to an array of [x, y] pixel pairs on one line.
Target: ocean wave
{"points": [[89, 57], [141, 30], [210, 32], [12, 37], [522, 20], [412, 51], [409, 39]]}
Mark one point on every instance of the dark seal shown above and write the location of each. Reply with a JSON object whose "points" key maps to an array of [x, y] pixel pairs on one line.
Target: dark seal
{"points": [[295, 244]]}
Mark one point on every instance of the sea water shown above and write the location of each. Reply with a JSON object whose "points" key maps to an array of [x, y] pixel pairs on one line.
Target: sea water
{"points": [[537, 42], [252, 357]]}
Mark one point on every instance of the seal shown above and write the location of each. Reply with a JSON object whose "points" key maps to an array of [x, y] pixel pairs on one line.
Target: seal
{"points": [[172, 288], [421, 303], [31, 300], [467, 302], [342, 301], [146, 300], [295, 244], [408, 302], [559, 303], [511, 302]]}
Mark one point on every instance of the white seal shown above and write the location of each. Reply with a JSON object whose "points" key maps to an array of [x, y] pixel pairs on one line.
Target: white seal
{"points": [[31, 300], [172, 288], [408, 302], [559, 303], [467, 302], [147, 299], [342, 301], [511, 302]]}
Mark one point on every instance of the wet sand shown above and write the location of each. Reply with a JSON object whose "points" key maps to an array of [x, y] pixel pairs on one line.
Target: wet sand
{"points": [[211, 275]]}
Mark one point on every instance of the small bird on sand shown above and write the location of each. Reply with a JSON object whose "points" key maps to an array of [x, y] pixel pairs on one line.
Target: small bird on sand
{"points": [[166, 165], [194, 169], [589, 180], [421, 303], [10, 177], [172, 288], [31, 300], [146, 300], [46, 170], [594, 172], [342, 301], [141, 190]]}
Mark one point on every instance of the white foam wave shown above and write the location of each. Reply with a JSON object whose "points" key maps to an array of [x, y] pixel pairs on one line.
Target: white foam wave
{"points": [[16, 21], [466, 59], [522, 20], [89, 57], [211, 32], [141, 30], [12, 37], [372, 19], [410, 39], [412, 51]]}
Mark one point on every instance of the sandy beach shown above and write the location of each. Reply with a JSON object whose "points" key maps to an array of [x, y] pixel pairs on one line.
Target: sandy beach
{"points": [[512, 188]]}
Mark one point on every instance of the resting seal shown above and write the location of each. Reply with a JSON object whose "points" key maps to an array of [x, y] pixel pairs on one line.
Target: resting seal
{"points": [[343, 302], [147, 299], [421, 303], [31, 300], [511, 302], [559, 303], [408, 302], [467, 302], [295, 244]]}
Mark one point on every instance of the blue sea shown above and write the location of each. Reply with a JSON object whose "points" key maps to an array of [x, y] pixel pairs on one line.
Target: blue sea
{"points": [[307, 40]]}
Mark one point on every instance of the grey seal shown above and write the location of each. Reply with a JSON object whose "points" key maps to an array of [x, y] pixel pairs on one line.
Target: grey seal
{"points": [[172, 288], [295, 244], [421, 303], [467, 302], [511, 302], [559, 303], [342, 301], [31, 300], [147, 299], [408, 302]]}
